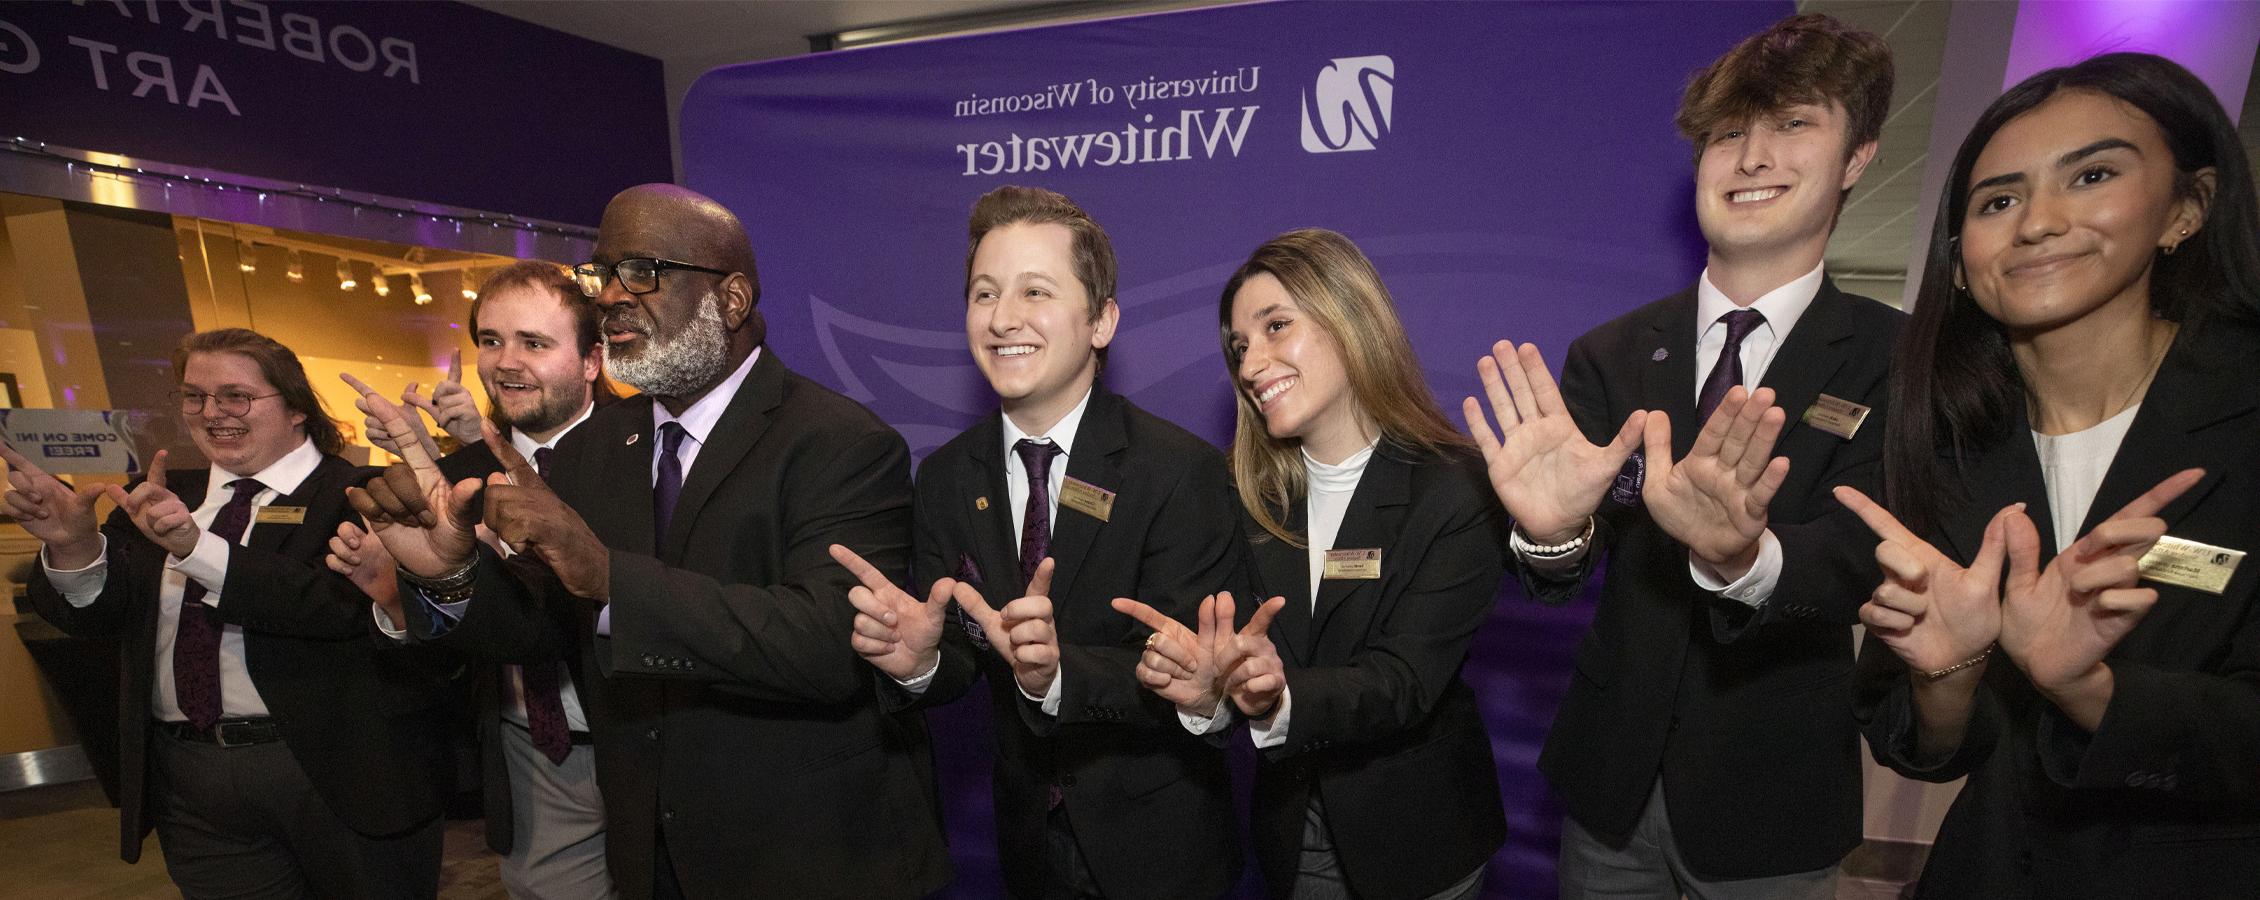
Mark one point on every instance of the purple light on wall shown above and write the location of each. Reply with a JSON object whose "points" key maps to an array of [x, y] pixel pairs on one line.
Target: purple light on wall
{"points": [[2214, 38]]}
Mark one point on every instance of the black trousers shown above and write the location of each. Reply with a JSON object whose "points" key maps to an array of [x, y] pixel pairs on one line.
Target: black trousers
{"points": [[245, 822]]}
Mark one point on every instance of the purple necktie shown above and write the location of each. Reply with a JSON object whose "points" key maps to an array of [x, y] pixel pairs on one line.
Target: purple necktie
{"points": [[196, 642], [1727, 372], [1036, 523], [669, 485], [545, 707]]}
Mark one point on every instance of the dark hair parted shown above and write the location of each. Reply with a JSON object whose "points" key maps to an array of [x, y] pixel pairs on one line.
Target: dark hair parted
{"points": [[279, 366], [1014, 204], [1955, 387], [1810, 58], [556, 281]]}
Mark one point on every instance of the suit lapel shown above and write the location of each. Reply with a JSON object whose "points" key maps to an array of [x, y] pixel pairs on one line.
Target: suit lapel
{"points": [[2008, 473], [618, 487], [994, 554], [741, 425], [1667, 380], [1285, 570], [1097, 460], [2183, 401], [1810, 355], [1375, 516], [316, 495]]}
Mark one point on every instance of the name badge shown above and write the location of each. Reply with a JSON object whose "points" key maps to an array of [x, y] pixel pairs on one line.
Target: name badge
{"points": [[1086, 498], [1836, 416], [280, 515], [2190, 564], [1352, 565]]}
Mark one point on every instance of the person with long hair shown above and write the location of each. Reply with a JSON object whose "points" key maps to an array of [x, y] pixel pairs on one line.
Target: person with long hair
{"points": [[2064, 618], [1374, 531]]}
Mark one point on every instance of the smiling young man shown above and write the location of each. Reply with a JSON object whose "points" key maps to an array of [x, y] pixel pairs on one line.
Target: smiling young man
{"points": [[541, 361], [1039, 516], [274, 749], [1706, 745]]}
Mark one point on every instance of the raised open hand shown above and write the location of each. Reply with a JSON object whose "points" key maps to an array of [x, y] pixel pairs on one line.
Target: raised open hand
{"points": [[1714, 501], [1546, 474], [424, 522], [894, 632]]}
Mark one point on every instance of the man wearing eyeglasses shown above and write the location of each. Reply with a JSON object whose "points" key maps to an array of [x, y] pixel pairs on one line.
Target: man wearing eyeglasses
{"points": [[541, 361], [271, 744], [740, 746]]}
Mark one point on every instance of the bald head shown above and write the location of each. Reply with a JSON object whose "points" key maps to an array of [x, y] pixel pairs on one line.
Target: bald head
{"points": [[679, 223]]}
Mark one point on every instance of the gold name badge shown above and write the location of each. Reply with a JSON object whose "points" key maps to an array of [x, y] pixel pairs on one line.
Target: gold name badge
{"points": [[1836, 416], [1086, 498], [1352, 565], [2190, 564], [280, 515]]}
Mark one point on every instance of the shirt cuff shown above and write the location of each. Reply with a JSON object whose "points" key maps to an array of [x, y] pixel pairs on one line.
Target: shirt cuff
{"points": [[384, 624], [1050, 699], [82, 585], [444, 615], [917, 684], [1547, 565], [1756, 586], [1212, 723], [604, 621], [1272, 732], [207, 564]]}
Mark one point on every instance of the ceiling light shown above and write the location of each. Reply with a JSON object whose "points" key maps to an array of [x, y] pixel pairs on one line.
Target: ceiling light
{"points": [[295, 269], [379, 283], [416, 286], [246, 257], [469, 292], [345, 280]]}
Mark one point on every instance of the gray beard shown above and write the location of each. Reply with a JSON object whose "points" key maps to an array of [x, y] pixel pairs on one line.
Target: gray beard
{"points": [[692, 360]]}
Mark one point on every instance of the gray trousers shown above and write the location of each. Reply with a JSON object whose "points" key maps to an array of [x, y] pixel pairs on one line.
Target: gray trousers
{"points": [[1318, 874], [557, 824], [243, 822], [1648, 867]]}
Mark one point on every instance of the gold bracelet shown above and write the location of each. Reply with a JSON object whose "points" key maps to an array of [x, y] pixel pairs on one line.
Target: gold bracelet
{"points": [[1964, 664]]}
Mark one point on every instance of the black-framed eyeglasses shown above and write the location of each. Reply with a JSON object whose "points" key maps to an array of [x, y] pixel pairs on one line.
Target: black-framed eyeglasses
{"points": [[229, 403], [638, 276]]}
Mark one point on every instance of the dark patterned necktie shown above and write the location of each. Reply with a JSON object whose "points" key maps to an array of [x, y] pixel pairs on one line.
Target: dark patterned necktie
{"points": [[669, 485], [1036, 523], [538, 684], [196, 641], [1727, 372]]}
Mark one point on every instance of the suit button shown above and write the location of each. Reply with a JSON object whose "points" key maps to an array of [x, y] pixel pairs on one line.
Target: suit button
{"points": [[649, 660], [1067, 780], [667, 816], [652, 734]]}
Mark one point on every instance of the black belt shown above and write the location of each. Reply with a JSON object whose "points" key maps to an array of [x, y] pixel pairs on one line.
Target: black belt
{"points": [[580, 738], [227, 732]]}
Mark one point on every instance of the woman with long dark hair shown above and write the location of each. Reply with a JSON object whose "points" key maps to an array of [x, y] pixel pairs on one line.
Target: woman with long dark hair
{"points": [[2073, 474]]}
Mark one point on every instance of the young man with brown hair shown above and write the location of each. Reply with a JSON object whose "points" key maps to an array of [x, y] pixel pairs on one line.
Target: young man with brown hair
{"points": [[1035, 520], [1706, 746]]}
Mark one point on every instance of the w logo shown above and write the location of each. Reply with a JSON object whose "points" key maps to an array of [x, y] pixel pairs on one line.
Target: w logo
{"points": [[1348, 107]]}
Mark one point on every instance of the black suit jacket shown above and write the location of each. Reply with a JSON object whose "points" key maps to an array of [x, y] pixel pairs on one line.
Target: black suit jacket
{"points": [[1116, 751], [362, 720], [726, 706], [1381, 727], [1746, 715], [2163, 799]]}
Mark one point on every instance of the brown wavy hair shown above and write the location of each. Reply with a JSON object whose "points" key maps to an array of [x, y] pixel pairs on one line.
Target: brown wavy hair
{"points": [[1810, 58], [1338, 288], [279, 366]]}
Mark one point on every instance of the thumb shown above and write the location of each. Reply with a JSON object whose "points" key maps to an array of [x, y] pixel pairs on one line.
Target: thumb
{"points": [[2023, 543], [969, 599], [461, 497], [938, 599], [1040, 584], [1629, 437], [157, 469], [1208, 619], [1656, 446], [1987, 565]]}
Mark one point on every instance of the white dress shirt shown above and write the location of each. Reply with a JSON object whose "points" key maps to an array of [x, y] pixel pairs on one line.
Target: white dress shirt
{"points": [[208, 565], [1016, 488], [2073, 466]]}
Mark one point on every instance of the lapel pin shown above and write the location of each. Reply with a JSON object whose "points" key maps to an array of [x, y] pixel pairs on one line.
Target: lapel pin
{"points": [[981, 503], [1660, 355], [632, 439]]}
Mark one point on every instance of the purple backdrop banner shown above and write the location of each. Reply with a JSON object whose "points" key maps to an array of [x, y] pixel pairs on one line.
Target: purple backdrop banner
{"points": [[431, 101], [1510, 168]]}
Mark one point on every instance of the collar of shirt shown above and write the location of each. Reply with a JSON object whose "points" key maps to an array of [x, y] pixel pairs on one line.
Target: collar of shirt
{"points": [[1338, 478], [527, 445], [281, 477], [698, 421], [1782, 306], [1062, 434]]}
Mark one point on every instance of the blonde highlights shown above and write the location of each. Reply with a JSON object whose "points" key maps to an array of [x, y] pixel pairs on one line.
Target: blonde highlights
{"points": [[1339, 290]]}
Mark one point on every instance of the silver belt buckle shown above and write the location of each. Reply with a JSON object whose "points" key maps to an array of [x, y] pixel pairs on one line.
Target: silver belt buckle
{"points": [[220, 735]]}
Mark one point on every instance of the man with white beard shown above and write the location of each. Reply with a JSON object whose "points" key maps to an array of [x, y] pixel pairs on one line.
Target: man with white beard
{"points": [[681, 541]]}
